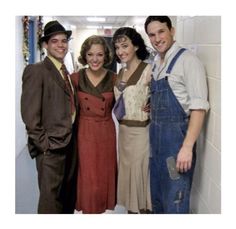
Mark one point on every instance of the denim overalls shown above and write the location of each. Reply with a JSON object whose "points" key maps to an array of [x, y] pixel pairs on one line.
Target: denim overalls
{"points": [[169, 122]]}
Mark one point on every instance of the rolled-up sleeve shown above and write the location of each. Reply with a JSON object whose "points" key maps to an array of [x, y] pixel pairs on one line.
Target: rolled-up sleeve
{"points": [[196, 83]]}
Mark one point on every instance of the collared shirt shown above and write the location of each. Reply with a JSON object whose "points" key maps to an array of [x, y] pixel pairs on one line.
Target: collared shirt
{"points": [[187, 78], [58, 65]]}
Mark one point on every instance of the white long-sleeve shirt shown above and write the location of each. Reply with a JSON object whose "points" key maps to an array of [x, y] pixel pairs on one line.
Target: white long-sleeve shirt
{"points": [[187, 78]]}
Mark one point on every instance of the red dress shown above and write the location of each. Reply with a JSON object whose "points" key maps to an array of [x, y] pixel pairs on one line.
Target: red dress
{"points": [[96, 183]]}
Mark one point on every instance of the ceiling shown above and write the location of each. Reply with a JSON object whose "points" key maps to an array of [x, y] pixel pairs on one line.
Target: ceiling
{"points": [[81, 21]]}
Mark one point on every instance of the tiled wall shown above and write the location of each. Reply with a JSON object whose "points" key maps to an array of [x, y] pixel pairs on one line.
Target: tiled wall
{"points": [[202, 34]]}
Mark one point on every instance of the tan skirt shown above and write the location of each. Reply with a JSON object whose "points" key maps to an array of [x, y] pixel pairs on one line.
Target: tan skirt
{"points": [[133, 174]]}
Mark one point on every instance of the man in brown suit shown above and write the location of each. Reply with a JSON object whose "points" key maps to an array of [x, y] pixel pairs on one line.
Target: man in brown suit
{"points": [[48, 111]]}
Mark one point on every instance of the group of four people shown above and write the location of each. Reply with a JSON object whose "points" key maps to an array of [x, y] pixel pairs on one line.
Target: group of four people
{"points": [[71, 131]]}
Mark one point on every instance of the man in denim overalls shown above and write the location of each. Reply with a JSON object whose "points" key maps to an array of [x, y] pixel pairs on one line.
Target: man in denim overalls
{"points": [[178, 106]]}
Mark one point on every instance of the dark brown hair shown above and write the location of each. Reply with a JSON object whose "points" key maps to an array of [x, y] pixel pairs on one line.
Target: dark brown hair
{"points": [[162, 19], [135, 38]]}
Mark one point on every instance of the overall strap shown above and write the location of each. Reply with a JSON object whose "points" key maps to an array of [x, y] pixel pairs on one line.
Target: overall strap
{"points": [[172, 63]]}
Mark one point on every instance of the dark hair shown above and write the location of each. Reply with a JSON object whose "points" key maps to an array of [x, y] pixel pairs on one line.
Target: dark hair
{"points": [[162, 19], [135, 38], [94, 40]]}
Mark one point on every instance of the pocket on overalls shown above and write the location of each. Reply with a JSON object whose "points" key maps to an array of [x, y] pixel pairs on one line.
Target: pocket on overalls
{"points": [[160, 99]]}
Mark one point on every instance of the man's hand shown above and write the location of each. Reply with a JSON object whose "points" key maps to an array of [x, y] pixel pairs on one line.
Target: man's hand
{"points": [[184, 159], [185, 155]]}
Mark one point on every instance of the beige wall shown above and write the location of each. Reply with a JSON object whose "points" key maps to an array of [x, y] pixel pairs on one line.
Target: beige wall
{"points": [[203, 36]]}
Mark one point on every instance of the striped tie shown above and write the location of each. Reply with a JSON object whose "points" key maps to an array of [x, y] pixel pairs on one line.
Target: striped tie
{"points": [[68, 85]]}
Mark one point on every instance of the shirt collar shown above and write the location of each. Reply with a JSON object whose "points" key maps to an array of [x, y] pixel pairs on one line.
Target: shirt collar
{"points": [[171, 50], [55, 62]]}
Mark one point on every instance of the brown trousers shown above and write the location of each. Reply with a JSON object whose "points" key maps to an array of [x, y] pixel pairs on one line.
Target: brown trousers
{"points": [[57, 171]]}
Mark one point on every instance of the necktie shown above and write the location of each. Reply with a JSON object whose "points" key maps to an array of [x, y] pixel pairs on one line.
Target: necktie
{"points": [[67, 82]]}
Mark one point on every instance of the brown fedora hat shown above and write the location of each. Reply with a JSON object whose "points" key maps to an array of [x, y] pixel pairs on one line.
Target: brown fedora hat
{"points": [[54, 27]]}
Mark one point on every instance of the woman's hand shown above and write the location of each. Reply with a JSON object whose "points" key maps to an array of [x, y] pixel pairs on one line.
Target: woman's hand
{"points": [[146, 108]]}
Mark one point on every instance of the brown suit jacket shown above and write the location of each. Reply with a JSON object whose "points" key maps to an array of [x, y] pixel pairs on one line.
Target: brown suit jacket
{"points": [[45, 108]]}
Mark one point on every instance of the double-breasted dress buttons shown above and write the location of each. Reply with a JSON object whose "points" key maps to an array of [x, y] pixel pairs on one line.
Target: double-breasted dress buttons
{"points": [[87, 107]]}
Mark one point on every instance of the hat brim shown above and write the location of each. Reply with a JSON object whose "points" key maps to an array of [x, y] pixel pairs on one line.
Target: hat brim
{"points": [[68, 34]]}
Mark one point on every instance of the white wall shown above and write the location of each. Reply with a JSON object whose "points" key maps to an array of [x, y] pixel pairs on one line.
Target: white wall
{"points": [[203, 36]]}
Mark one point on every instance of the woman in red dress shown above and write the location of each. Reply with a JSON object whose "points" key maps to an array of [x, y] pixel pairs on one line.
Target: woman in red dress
{"points": [[96, 186]]}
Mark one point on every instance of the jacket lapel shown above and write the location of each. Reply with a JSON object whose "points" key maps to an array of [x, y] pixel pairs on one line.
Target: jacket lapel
{"points": [[55, 74]]}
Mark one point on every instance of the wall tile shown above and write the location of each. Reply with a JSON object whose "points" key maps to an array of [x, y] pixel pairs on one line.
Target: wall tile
{"points": [[211, 58], [217, 133], [211, 162], [188, 30], [215, 194], [214, 86], [207, 30]]}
